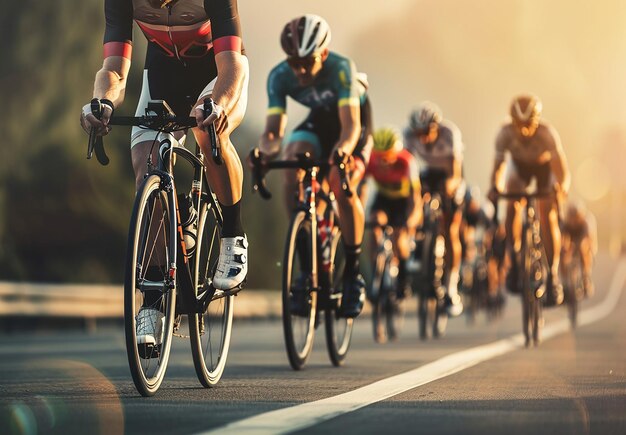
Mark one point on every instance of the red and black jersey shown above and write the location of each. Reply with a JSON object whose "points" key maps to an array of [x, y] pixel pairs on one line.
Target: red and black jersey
{"points": [[397, 179], [184, 29]]}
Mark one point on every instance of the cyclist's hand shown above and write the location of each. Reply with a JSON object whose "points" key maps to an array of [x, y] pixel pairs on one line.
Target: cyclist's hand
{"points": [[217, 117], [88, 120]]}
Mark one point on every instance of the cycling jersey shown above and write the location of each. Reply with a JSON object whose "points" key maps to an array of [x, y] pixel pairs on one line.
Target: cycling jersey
{"points": [[438, 154], [538, 149], [337, 84], [186, 29], [394, 180]]}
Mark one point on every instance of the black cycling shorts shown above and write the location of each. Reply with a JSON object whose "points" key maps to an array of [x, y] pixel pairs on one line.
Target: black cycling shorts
{"points": [[325, 124], [543, 174], [396, 209]]}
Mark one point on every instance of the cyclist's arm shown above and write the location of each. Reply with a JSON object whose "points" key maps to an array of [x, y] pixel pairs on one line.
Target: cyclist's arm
{"points": [[349, 107], [416, 214], [558, 162], [111, 79], [272, 137], [349, 117], [228, 86], [497, 173]]}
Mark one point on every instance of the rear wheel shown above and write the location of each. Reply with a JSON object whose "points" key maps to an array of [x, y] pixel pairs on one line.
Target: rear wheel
{"points": [[151, 245], [298, 297], [210, 331], [338, 329]]}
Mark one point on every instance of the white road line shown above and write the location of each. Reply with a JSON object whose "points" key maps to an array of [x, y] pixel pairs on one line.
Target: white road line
{"points": [[309, 414]]}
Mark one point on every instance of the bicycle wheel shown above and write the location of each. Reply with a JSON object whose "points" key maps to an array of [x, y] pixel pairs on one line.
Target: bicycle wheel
{"points": [[299, 299], [529, 301], [378, 297], [426, 301], [440, 321], [151, 242], [210, 331], [338, 329]]}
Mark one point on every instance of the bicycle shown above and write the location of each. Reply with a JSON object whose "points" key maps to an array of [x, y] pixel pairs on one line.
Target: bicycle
{"points": [[156, 240], [386, 310], [430, 252], [573, 285], [313, 262], [532, 265]]}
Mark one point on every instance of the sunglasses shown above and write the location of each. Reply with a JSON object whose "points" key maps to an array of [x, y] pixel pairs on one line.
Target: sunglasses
{"points": [[303, 62]]}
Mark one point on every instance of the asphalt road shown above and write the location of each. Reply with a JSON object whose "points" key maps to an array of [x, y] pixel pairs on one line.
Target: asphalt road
{"points": [[574, 383]]}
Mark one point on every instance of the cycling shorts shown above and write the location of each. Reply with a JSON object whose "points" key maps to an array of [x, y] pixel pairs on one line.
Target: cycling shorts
{"points": [[543, 174], [179, 84], [322, 128], [434, 181], [396, 209]]}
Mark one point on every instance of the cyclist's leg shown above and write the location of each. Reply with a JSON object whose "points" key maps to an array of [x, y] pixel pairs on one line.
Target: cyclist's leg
{"points": [[585, 248], [226, 180], [551, 236], [516, 183]]}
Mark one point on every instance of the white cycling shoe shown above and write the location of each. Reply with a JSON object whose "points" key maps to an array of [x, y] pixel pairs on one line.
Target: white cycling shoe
{"points": [[149, 327], [232, 266]]}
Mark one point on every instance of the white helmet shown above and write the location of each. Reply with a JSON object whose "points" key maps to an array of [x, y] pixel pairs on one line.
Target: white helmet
{"points": [[425, 114], [305, 35]]}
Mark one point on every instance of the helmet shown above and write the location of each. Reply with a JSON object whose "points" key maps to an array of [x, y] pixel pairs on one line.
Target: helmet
{"points": [[305, 35], [387, 139], [525, 113], [425, 114]]}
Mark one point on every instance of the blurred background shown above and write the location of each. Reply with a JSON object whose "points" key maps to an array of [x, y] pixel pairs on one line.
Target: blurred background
{"points": [[64, 219]]}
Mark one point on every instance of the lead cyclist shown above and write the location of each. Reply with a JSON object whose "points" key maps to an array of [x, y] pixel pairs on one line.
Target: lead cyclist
{"points": [[194, 52]]}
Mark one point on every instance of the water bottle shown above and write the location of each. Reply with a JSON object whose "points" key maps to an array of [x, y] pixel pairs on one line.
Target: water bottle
{"points": [[189, 221]]}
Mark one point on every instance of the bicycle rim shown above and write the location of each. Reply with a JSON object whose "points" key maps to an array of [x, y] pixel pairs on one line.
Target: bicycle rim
{"points": [[529, 300], [298, 324], [210, 332], [149, 243], [338, 329]]}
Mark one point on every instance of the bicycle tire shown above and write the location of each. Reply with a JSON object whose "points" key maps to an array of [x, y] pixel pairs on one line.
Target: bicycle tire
{"points": [[210, 332], [298, 327], [338, 329], [426, 307], [377, 300], [141, 248]]}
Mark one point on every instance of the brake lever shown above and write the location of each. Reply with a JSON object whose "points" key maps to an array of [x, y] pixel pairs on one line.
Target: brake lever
{"points": [[95, 142], [257, 171], [216, 150]]}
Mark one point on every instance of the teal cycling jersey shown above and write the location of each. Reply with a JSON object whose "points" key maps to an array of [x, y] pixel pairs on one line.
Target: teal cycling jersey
{"points": [[337, 84]]}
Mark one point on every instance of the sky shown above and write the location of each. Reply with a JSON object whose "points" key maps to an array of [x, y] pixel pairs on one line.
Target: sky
{"points": [[471, 58]]}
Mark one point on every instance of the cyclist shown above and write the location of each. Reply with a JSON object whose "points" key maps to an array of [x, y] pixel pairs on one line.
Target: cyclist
{"points": [[339, 120], [535, 150], [580, 235], [194, 51], [437, 142], [398, 200]]}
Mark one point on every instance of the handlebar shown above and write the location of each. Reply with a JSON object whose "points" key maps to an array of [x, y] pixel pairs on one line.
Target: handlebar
{"points": [[158, 117], [304, 161], [521, 195]]}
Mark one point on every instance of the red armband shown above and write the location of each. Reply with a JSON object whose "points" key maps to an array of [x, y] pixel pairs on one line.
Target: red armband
{"points": [[227, 43], [123, 49]]}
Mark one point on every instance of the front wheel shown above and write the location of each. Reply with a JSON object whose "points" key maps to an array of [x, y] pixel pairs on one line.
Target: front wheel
{"points": [[298, 297], [338, 329], [210, 331], [149, 293]]}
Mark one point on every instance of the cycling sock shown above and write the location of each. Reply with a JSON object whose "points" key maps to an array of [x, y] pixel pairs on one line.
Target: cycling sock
{"points": [[352, 259], [232, 220]]}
